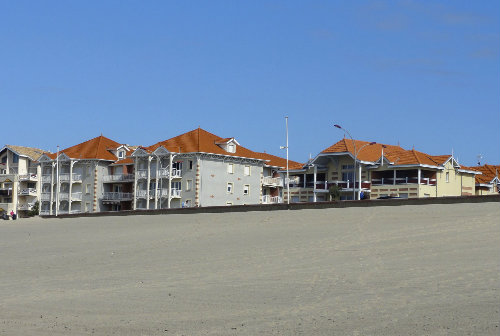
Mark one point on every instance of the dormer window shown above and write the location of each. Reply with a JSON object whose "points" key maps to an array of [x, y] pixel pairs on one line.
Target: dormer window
{"points": [[231, 148], [121, 154]]}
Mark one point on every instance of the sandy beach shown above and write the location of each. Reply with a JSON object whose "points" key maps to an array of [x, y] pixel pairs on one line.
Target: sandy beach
{"points": [[406, 270]]}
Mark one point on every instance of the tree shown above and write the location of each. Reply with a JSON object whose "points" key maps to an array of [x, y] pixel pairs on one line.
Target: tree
{"points": [[34, 210], [334, 191]]}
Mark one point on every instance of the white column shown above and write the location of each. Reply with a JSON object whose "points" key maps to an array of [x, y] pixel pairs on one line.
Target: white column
{"points": [[419, 175], [149, 181], [359, 182], [170, 181], [157, 182], [394, 177], [71, 163], [136, 166], [51, 189], [314, 190]]}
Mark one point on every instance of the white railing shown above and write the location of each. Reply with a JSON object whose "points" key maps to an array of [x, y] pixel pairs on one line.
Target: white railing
{"points": [[141, 193], [142, 173], [27, 191], [62, 212], [403, 180], [268, 199], [76, 196], [118, 196], [46, 178], [76, 178], [26, 206], [44, 212], [118, 178], [75, 211], [164, 172], [28, 177], [63, 177], [63, 196], [175, 193], [273, 181], [45, 196]]}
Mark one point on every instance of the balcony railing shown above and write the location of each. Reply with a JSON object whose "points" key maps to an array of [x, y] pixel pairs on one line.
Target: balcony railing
{"points": [[118, 178], [403, 180], [164, 172], [268, 199], [75, 211], [63, 196], [272, 181], [45, 196], [44, 212], [26, 206], [27, 192], [118, 196], [46, 178], [142, 173], [28, 177], [76, 196], [76, 178], [63, 177]]}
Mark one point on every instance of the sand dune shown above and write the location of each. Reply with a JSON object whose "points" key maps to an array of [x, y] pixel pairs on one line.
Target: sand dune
{"points": [[408, 270]]}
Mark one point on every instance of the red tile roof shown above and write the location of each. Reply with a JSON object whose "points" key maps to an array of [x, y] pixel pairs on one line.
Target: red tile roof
{"points": [[394, 154], [489, 172], [201, 141], [96, 148]]}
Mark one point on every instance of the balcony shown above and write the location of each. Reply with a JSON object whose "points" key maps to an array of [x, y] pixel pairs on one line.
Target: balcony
{"points": [[63, 177], [272, 181], [66, 177], [44, 212], [76, 178], [76, 196], [268, 199], [45, 196], [27, 192], [75, 211], [118, 196], [46, 178], [403, 180], [118, 178]]}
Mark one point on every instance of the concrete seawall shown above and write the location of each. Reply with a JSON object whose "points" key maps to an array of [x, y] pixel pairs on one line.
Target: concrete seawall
{"points": [[292, 206]]}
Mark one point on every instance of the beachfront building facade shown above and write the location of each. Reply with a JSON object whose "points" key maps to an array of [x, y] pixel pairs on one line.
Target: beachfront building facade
{"points": [[199, 168], [367, 170], [487, 183], [73, 179], [19, 179]]}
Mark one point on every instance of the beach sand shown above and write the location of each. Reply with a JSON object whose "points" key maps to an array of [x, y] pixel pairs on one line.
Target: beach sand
{"points": [[405, 270]]}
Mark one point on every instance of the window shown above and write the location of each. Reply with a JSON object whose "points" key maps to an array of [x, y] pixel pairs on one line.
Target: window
{"points": [[87, 188], [246, 189], [230, 168], [447, 176], [177, 165], [229, 188], [347, 167], [176, 185], [190, 164], [231, 148], [15, 158], [87, 207], [348, 176], [246, 171], [121, 154], [403, 195], [189, 185]]}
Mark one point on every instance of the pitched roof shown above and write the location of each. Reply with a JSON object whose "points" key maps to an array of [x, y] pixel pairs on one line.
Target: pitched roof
{"points": [[489, 172], [201, 141], [31, 152], [396, 154], [96, 148]]}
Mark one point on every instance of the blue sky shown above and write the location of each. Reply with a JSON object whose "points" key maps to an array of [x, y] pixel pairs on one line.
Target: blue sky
{"points": [[417, 73]]}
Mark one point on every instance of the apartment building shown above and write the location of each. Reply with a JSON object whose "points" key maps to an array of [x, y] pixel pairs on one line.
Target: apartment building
{"points": [[73, 179], [379, 171], [19, 179], [199, 168], [487, 183]]}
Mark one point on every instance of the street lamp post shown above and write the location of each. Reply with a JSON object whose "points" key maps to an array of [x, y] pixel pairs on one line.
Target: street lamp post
{"points": [[287, 178], [356, 153]]}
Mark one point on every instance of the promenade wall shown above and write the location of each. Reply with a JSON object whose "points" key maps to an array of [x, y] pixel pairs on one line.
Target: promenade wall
{"points": [[292, 206]]}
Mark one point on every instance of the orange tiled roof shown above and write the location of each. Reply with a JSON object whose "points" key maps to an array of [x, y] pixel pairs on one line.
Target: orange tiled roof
{"points": [[489, 172], [199, 140], [395, 154], [96, 148]]}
